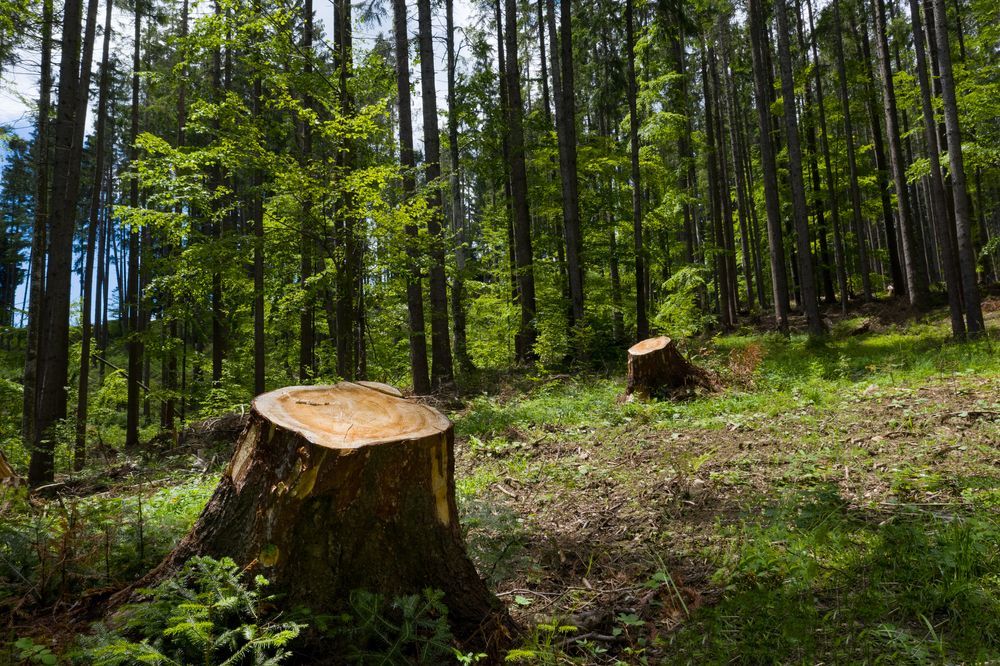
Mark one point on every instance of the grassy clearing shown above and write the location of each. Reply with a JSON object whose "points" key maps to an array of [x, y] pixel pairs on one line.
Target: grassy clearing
{"points": [[838, 503]]}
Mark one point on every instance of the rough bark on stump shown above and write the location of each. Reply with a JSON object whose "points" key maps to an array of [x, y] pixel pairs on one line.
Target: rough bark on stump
{"points": [[343, 487], [657, 368], [7, 474]]}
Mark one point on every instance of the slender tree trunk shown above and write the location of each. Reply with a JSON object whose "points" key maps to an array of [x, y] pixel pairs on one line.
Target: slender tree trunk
{"points": [[525, 340], [546, 99], [741, 198], [807, 282], [881, 166], [717, 186], [80, 447], [641, 298], [557, 100], [566, 121], [457, 203], [414, 293], [684, 144], [937, 193], [135, 345], [218, 313], [779, 278], [852, 167], [916, 278], [505, 145], [36, 286], [442, 372], [831, 183], [809, 121], [725, 193], [257, 213], [307, 324], [966, 251], [617, 316]]}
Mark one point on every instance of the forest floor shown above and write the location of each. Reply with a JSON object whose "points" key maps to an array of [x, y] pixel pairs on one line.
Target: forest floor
{"points": [[836, 502]]}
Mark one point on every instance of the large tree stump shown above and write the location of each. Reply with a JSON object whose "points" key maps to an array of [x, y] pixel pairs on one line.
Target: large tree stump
{"points": [[343, 487], [657, 368]]}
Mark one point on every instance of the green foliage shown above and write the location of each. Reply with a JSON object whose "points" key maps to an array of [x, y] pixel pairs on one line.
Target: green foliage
{"points": [[411, 629], [206, 614], [49, 549], [543, 645], [681, 315], [32, 653]]}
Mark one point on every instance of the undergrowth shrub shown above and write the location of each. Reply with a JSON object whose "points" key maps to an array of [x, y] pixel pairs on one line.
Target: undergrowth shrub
{"points": [[680, 314], [410, 629], [205, 614], [53, 550]]}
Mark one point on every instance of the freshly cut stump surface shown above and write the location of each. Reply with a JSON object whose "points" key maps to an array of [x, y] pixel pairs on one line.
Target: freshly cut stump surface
{"points": [[657, 368], [344, 487]]}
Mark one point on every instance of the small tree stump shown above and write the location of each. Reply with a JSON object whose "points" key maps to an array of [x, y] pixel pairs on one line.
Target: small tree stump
{"points": [[656, 367], [344, 487]]}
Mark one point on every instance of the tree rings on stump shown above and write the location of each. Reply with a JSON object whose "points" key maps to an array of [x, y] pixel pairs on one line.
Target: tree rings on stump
{"points": [[656, 368], [344, 487]]}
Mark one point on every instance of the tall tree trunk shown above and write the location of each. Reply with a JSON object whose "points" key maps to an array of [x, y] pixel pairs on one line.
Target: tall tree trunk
{"points": [[525, 340], [685, 161], [414, 292], [741, 198], [168, 411], [641, 298], [80, 447], [966, 251], [857, 219], [809, 120], [441, 362], [566, 121], [307, 324], [807, 282], [53, 362], [135, 344], [457, 203], [937, 193], [257, 214], [881, 166], [546, 99], [779, 278], [916, 277], [716, 193], [725, 194], [218, 312], [831, 183], [39, 233], [505, 145], [348, 241]]}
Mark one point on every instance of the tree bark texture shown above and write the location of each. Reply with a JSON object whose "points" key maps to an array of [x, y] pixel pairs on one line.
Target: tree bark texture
{"points": [[657, 368], [343, 487]]}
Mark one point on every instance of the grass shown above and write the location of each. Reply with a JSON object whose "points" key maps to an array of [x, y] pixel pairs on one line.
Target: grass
{"points": [[838, 502]]}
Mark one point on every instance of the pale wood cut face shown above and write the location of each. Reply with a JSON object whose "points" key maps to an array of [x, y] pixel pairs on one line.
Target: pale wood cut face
{"points": [[349, 415], [648, 345]]}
